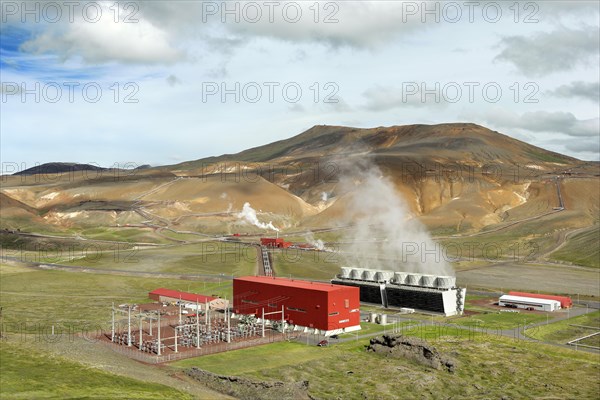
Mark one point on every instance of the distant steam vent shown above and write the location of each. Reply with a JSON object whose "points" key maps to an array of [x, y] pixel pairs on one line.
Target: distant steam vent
{"points": [[433, 293]]}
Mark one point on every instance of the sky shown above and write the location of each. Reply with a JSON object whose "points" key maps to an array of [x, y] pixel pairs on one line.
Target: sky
{"points": [[160, 82]]}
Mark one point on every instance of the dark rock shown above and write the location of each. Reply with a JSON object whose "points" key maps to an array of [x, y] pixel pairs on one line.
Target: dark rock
{"points": [[244, 388], [412, 348]]}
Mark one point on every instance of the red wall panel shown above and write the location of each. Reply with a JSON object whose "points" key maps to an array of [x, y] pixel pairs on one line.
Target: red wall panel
{"points": [[321, 306]]}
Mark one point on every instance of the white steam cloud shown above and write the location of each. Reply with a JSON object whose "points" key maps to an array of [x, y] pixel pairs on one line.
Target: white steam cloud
{"points": [[248, 214], [316, 243], [385, 235]]}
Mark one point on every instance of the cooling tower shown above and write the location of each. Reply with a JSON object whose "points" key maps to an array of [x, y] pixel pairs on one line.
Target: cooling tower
{"points": [[381, 276], [445, 282], [368, 275], [413, 279], [400, 278], [356, 273], [345, 272], [427, 280]]}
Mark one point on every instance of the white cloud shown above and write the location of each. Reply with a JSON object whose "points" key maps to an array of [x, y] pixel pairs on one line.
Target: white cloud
{"points": [[369, 53], [411, 94], [105, 41], [172, 80], [543, 121], [588, 145], [546, 52], [578, 89], [359, 24], [355, 23]]}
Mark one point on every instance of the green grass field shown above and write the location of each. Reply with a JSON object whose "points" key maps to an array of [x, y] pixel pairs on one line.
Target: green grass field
{"points": [[499, 320], [306, 264], [522, 242], [211, 258], [123, 235], [277, 354], [208, 257], [367, 328], [562, 331], [48, 297], [488, 367], [28, 375], [581, 249], [590, 341]]}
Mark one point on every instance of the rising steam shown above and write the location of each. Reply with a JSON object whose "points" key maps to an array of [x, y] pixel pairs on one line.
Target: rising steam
{"points": [[248, 214], [386, 236], [316, 243]]}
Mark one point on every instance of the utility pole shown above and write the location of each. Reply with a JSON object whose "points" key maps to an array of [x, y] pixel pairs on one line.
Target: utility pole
{"points": [[228, 316], [112, 336], [159, 332], [179, 310], [129, 326], [207, 314], [176, 338], [197, 325], [141, 322]]}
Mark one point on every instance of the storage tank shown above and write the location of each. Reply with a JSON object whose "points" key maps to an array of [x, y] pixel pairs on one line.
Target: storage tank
{"points": [[373, 317], [427, 280], [345, 272], [383, 319], [413, 279], [399, 278], [356, 273], [368, 275], [381, 276]]}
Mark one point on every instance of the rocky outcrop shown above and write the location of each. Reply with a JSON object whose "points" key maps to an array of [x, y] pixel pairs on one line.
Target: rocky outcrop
{"points": [[413, 349], [244, 388]]}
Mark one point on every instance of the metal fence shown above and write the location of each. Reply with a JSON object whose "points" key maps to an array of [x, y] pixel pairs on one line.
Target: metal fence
{"points": [[135, 353]]}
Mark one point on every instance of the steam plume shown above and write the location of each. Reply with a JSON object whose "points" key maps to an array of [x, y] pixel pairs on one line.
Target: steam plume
{"points": [[248, 214], [316, 243], [386, 236]]}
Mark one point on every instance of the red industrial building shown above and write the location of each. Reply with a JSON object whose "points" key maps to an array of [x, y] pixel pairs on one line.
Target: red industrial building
{"points": [[565, 302], [331, 309], [162, 294], [275, 242]]}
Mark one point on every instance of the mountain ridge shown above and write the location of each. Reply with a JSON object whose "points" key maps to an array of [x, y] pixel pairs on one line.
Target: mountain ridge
{"points": [[452, 140]]}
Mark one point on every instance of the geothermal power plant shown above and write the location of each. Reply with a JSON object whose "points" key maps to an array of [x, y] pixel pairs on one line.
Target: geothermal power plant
{"points": [[432, 293]]}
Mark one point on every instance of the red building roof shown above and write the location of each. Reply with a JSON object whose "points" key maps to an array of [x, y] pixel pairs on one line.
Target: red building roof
{"points": [[176, 294], [565, 302], [318, 286]]}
